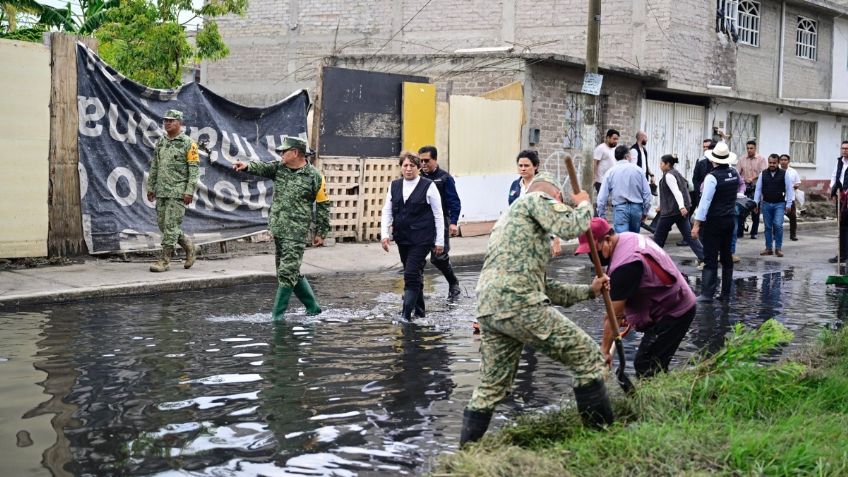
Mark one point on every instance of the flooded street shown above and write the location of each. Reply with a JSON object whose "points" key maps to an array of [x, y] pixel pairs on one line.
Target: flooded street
{"points": [[202, 383]]}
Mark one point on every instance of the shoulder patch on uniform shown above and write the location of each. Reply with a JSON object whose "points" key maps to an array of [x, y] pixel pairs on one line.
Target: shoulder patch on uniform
{"points": [[192, 157], [321, 196], [560, 207]]}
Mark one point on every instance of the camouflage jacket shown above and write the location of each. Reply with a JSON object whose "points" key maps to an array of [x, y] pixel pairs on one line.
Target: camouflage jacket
{"points": [[295, 190], [513, 275], [174, 171]]}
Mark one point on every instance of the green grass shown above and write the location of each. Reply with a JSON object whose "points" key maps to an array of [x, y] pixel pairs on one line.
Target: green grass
{"points": [[727, 414]]}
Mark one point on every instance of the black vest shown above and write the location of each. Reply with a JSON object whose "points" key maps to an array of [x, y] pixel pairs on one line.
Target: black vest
{"points": [[837, 184], [438, 178], [724, 200], [668, 206], [412, 220], [639, 159], [773, 188]]}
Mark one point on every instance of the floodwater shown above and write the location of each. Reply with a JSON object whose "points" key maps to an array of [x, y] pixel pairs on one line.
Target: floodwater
{"points": [[202, 383]]}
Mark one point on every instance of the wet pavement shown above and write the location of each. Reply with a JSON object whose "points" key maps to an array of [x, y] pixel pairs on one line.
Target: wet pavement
{"points": [[202, 383]]}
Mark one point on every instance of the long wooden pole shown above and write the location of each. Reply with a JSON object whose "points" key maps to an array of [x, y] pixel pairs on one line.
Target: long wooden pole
{"points": [[623, 380]]}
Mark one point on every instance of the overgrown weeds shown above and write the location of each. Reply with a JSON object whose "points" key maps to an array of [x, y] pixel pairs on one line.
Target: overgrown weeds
{"points": [[727, 414]]}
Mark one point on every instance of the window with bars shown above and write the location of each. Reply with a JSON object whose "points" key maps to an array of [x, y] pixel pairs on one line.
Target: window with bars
{"points": [[802, 141], [573, 121], [806, 39], [726, 16], [742, 128], [748, 23]]}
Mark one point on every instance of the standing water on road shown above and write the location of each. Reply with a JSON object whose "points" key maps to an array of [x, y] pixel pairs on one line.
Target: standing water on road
{"points": [[202, 383]]}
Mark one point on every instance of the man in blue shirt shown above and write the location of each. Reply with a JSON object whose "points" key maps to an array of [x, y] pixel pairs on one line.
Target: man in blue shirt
{"points": [[774, 194], [627, 189], [451, 206], [717, 213]]}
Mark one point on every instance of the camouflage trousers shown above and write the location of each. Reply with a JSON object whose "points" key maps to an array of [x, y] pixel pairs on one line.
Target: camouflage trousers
{"points": [[169, 217], [288, 255], [547, 331]]}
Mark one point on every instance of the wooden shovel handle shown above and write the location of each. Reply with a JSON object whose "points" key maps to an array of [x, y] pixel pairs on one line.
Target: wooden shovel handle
{"points": [[593, 252]]}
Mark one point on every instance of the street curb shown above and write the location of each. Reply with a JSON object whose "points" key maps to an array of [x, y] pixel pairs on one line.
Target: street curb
{"points": [[203, 283], [88, 293]]}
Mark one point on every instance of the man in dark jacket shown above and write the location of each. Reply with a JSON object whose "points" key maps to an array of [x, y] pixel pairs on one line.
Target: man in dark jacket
{"points": [[451, 206]]}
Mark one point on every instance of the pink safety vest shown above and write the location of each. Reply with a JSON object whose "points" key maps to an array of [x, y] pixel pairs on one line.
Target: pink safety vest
{"points": [[655, 299]]}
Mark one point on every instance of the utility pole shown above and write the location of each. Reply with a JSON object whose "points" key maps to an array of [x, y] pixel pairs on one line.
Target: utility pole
{"points": [[590, 127]]}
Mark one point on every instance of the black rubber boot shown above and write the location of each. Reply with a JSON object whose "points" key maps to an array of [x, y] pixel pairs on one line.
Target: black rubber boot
{"points": [[474, 425], [419, 304], [410, 298], [593, 404], [453, 291], [726, 283], [453, 283], [709, 277]]}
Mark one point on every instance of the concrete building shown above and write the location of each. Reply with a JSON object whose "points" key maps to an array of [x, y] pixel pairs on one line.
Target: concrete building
{"points": [[766, 70]]}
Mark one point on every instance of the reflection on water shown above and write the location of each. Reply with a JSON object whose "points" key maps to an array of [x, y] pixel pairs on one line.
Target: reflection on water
{"points": [[201, 383]]}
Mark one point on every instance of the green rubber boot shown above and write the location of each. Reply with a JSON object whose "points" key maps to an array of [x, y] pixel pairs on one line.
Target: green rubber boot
{"points": [[164, 262], [305, 294], [281, 303], [190, 251]]}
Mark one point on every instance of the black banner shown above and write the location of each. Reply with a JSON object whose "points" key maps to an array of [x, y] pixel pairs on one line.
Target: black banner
{"points": [[119, 124]]}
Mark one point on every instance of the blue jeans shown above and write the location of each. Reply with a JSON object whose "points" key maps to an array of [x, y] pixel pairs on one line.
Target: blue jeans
{"points": [[626, 218], [773, 223]]}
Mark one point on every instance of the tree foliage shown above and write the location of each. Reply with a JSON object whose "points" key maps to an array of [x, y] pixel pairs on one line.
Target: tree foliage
{"points": [[144, 40]]}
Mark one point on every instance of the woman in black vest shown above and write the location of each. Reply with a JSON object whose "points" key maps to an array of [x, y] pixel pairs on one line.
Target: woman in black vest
{"points": [[413, 210], [675, 206]]}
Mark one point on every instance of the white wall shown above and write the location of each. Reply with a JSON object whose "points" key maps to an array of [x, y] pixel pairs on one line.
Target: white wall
{"points": [[840, 61], [483, 198]]}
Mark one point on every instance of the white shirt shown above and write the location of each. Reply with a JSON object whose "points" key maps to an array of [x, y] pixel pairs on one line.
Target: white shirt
{"points": [[844, 172], [433, 198], [605, 158], [671, 182], [634, 158], [793, 175]]}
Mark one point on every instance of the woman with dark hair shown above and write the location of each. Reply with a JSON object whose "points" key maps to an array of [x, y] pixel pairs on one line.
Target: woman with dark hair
{"points": [[528, 167], [413, 210], [674, 207]]}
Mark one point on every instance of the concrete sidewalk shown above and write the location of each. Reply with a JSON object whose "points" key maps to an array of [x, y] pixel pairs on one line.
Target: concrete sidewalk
{"points": [[97, 278]]}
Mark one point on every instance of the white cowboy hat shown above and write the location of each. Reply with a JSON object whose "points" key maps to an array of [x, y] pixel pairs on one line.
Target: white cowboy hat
{"points": [[721, 154]]}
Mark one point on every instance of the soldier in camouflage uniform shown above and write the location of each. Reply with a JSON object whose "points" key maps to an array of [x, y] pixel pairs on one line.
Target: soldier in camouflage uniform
{"points": [[172, 181], [515, 306], [297, 186]]}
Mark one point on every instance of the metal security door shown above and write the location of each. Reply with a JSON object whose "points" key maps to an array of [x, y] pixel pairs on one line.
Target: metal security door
{"points": [[688, 136], [659, 124], [674, 128]]}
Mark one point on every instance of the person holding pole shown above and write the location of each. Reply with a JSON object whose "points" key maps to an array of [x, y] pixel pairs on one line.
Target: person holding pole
{"points": [[516, 306]]}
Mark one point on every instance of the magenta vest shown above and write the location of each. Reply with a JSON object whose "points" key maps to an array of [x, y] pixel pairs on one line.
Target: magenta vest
{"points": [[655, 300]]}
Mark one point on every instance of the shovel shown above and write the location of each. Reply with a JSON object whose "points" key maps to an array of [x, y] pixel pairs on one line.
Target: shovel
{"points": [[621, 376], [838, 279]]}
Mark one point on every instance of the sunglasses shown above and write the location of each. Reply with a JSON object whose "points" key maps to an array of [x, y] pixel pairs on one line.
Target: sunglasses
{"points": [[424, 161]]}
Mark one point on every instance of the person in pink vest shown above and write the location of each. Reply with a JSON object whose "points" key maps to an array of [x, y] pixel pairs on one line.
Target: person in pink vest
{"points": [[647, 290]]}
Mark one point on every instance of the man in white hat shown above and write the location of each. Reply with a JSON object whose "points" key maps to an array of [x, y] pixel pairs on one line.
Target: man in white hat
{"points": [[716, 213]]}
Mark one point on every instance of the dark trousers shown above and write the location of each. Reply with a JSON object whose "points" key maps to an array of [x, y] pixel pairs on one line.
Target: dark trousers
{"points": [[716, 236], [442, 260], [793, 221], [755, 216], [413, 258], [843, 231], [597, 187], [664, 226], [660, 342]]}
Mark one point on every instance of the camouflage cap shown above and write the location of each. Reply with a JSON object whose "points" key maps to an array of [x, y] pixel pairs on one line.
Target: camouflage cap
{"points": [[291, 142], [173, 114], [546, 177]]}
